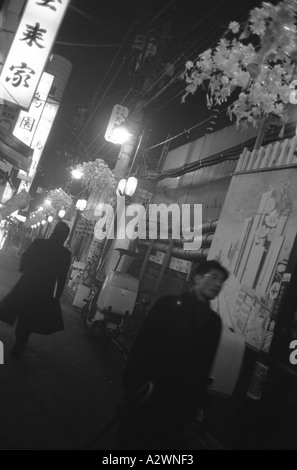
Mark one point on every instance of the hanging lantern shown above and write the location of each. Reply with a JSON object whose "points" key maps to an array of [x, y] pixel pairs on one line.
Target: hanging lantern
{"points": [[131, 186], [81, 204], [127, 187], [121, 187]]}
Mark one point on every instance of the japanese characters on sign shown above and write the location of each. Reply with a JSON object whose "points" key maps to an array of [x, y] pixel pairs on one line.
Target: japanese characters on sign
{"points": [[45, 124], [28, 120], [30, 49], [39, 140], [118, 117]]}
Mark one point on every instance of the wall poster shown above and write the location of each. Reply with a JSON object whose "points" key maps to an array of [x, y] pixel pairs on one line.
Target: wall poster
{"points": [[253, 240]]}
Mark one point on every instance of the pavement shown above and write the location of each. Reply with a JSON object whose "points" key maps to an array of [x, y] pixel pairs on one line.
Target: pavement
{"points": [[66, 387], [63, 389]]}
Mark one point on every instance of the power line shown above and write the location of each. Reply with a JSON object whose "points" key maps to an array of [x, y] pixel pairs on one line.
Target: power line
{"points": [[185, 131], [188, 52], [177, 75], [166, 87], [93, 111], [102, 98], [105, 76], [107, 26], [193, 44], [153, 98], [101, 146], [79, 44]]}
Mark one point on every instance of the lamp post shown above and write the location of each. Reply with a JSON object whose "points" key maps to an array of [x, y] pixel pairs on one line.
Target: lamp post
{"points": [[126, 187], [127, 154]]}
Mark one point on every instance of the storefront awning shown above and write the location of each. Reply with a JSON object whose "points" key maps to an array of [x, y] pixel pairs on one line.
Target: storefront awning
{"points": [[14, 151]]}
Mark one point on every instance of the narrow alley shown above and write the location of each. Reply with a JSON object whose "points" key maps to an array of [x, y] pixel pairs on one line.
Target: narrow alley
{"points": [[62, 390]]}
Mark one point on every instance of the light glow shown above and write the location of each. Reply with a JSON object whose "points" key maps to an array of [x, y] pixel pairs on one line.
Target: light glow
{"points": [[76, 174], [118, 117], [81, 204], [120, 135]]}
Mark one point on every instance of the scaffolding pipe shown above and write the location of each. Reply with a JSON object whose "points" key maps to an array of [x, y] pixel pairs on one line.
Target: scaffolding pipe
{"points": [[206, 240], [180, 253], [207, 227]]}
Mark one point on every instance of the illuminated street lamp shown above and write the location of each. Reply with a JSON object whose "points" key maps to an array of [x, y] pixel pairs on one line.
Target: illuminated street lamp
{"points": [[120, 135], [62, 213], [50, 219], [76, 174]]}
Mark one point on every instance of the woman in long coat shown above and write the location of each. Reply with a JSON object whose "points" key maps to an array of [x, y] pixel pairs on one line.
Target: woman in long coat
{"points": [[34, 300]]}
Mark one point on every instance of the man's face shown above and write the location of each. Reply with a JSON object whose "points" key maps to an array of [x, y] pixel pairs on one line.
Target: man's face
{"points": [[208, 286]]}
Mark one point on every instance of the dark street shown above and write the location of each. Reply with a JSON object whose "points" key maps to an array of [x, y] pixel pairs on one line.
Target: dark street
{"points": [[148, 226], [62, 390]]}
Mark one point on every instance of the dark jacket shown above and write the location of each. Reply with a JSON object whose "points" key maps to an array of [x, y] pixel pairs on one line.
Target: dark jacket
{"points": [[32, 299], [175, 351]]}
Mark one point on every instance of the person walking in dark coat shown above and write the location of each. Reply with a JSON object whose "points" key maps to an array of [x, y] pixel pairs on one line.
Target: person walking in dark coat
{"points": [[34, 300], [167, 371]]}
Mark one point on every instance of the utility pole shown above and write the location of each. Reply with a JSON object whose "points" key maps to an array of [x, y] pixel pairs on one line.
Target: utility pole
{"points": [[153, 67], [125, 156]]}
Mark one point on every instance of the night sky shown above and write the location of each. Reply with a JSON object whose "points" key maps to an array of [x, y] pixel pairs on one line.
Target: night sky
{"points": [[195, 27]]}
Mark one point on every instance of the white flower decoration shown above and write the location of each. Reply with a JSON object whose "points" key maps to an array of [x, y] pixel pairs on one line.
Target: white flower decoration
{"points": [[234, 27]]}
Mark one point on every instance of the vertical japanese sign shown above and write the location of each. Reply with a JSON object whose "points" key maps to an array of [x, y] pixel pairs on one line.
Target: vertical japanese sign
{"points": [[30, 49], [118, 117], [39, 140], [28, 120], [45, 124]]}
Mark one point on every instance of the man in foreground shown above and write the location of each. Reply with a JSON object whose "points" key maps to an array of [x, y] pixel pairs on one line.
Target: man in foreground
{"points": [[167, 371]]}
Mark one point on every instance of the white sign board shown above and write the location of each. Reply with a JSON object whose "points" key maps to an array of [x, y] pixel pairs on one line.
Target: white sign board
{"points": [[118, 117], [45, 124], [28, 120], [30, 49]]}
